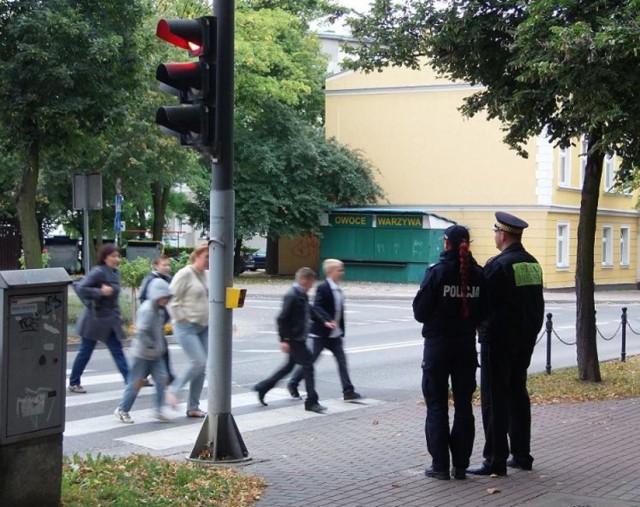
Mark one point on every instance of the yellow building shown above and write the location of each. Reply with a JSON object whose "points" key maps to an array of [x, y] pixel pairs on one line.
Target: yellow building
{"points": [[429, 156]]}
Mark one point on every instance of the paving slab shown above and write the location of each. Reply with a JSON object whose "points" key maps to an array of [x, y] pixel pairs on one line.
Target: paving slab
{"points": [[585, 452]]}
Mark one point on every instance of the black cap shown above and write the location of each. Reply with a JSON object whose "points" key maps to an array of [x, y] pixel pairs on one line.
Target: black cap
{"points": [[509, 223], [456, 234]]}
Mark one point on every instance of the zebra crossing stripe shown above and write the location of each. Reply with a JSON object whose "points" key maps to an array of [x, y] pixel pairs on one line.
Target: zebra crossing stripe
{"points": [[161, 440], [109, 422], [185, 434]]}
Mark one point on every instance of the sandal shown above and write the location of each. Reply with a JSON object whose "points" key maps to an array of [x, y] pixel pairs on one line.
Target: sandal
{"points": [[77, 389], [196, 413]]}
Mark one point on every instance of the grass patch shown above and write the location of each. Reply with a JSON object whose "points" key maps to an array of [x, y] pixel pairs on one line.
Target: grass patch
{"points": [[619, 380], [142, 480]]}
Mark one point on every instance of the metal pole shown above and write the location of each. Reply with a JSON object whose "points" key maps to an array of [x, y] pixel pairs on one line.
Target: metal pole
{"points": [[86, 262], [220, 439], [623, 352], [549, 327]]}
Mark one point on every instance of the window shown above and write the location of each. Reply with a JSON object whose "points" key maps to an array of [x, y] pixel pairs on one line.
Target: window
{"points": [[564, 167], [584, 150], [562, 246], [609, 172], [607, 246], [624, 246]]}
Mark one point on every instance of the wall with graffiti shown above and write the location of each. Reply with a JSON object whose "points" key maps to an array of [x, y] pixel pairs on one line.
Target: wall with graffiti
{"points": [[297, 252]]}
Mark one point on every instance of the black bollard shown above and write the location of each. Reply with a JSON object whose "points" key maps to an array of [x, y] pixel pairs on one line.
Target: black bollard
{"points": [[623, 352], [549, 327]]}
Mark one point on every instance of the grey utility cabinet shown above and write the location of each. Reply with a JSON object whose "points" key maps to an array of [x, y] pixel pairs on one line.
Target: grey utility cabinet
{"points": [[33, 346]]}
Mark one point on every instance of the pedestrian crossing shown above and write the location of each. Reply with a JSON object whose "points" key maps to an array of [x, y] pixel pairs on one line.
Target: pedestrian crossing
{"points": [[147, 434], [161, 440]]}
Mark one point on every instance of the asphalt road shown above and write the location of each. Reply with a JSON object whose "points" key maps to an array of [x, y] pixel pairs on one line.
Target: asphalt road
{"points": [[383, 347]]}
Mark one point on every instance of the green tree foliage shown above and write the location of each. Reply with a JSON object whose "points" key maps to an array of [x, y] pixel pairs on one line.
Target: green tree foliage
{"points": [[567, 69], [65, 67], [288, 173], [148, 162], [276, 59]]}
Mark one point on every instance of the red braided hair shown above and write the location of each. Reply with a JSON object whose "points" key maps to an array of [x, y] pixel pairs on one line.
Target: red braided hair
{"points": [[463, 251]]}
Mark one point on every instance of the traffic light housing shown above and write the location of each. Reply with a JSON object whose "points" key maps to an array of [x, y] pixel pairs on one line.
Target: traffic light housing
{"points": [[194, 83]]}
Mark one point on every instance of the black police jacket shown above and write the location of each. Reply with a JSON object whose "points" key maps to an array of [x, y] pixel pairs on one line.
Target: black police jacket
{"points": [[438, 303], [514, 279]]}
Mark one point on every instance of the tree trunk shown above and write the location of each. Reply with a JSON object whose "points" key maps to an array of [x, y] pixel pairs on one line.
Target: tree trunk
{"points": [[160, 198], [26, 208], [271, 267], [142, 222], [587, 351], [238, 260]]}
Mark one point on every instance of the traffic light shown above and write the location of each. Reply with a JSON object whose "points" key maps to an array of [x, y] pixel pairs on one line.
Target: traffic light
{"points": [[194, 83]]}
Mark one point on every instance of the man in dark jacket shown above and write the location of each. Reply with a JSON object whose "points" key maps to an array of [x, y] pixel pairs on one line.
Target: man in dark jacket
{"points": [[329, 303], [507, 338], [293, 327]]}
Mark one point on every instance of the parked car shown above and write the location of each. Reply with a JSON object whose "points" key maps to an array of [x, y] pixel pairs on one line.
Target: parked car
{"points": [[258, 260]]}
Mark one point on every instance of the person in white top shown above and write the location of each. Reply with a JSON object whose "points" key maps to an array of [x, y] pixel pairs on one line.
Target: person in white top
{"points": [[189, 310], [329, 304]]}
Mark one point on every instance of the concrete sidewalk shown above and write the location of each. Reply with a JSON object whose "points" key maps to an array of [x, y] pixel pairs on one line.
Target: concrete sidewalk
{"points": [[585, 455], [265, 287]]}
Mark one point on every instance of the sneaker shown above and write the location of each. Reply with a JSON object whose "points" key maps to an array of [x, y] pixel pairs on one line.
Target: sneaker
{"points": [[317, 408], [77, 389], [159, 416], [123, 416], [293, 391], [171, 400], [351, 395]]}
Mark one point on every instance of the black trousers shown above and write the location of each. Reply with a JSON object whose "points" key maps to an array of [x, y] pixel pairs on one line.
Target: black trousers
{"points": [[298, 354], [335, 345], [457, 359], [506, 408]]}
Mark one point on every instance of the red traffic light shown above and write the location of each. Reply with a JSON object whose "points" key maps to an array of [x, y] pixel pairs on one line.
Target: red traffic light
{"points": [[194, 83], [184, 33]]}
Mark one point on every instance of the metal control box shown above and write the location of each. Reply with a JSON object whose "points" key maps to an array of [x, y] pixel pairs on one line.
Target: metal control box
{"points": [[33, 345]]}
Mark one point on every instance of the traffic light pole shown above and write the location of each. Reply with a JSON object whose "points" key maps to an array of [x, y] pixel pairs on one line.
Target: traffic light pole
{"points": [[219, 439]]}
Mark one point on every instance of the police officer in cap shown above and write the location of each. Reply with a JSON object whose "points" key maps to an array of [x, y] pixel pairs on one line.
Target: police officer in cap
{"points": [[507, 339], [451, 303]]}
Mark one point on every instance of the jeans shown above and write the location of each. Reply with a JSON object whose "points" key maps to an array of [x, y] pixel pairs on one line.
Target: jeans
{"points": [[298, 354], [85, 352], [336, 348], [140, 369], [194, 339]]}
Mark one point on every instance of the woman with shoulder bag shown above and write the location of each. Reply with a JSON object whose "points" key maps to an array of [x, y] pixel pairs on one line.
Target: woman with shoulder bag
{"points": [[189, 309], [101, 319]]}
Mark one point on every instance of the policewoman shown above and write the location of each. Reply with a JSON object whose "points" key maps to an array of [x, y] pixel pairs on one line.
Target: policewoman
{"points": [[450, 304], [507, 339]]}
